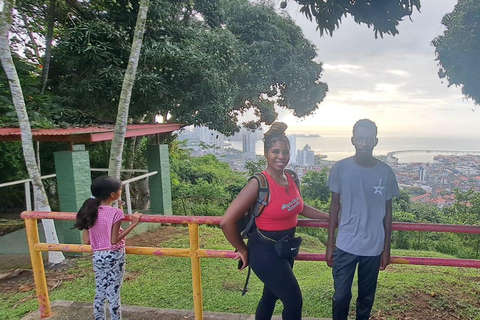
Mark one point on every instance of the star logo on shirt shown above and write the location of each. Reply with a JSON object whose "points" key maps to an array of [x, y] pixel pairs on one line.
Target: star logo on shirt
{"points": [[379, 188]]}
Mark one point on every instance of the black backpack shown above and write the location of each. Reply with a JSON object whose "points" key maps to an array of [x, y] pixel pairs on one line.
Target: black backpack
{"points": [[247, 223]]}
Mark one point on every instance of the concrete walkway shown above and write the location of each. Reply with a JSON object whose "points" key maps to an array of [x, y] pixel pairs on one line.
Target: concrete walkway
{"points": [[68, 310]]}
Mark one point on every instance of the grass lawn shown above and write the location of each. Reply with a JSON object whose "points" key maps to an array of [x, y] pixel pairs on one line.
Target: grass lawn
{"points": [[403, 291]]}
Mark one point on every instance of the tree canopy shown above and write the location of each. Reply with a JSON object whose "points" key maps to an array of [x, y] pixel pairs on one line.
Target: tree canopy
{"points": [[314, 186], [457, 50], [202, 64], [383, 15]]}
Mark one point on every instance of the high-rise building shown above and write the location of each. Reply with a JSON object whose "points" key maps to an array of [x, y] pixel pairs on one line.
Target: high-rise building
{"points": [[195, 135], [248, 143], [422, 174], [306, 157], [293, 148]]}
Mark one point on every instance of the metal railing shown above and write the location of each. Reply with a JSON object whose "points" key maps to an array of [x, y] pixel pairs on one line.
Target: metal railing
{"points": [[125, 183], [26, 183], [195, 253]]}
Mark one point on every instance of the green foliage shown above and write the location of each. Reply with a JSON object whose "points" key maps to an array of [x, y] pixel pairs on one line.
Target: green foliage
{"points": [[416, 191], [426, 213], [202, 185], [457, 50], [276, 60], [12, 168], [44, 110], [401, 216], [148, 276], [203, 62], [465, 211], [402, 203], [193, 71], [255, 166], [314, 186], [384, 16], [40, 108], [29, 26]]}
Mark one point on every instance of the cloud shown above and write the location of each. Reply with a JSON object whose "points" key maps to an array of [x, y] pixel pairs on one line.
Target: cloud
{"points": [[392, 80], [398, 72], [345, 68]]}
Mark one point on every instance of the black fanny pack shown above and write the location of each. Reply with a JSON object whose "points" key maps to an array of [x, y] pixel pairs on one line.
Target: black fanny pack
{"points": [[288, 246], [285, 247]]}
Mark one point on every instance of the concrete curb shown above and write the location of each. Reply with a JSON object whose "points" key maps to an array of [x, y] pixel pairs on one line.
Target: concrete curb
{"points": [[69, 310]]}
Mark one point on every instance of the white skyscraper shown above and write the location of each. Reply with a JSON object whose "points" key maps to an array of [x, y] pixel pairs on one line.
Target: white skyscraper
{"points": [[248, 143], [422, 174], [204, 135], [306, 157], [293, 148]]}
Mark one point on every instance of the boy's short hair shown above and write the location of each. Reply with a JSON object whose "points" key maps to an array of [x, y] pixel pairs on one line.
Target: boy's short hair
{"points": [[365, 123]]}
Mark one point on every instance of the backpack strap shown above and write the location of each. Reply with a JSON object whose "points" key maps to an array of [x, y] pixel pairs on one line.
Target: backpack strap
{"points": [[295, 178], [263, 196], [255, 211], [245, 287], [262, 200]]}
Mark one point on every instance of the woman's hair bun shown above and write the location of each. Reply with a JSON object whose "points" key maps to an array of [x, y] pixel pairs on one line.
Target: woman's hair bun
{"points": [[276, 128]]}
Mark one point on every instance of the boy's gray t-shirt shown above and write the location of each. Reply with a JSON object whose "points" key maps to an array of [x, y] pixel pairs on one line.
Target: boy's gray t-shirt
{"points": [[363, 193]]}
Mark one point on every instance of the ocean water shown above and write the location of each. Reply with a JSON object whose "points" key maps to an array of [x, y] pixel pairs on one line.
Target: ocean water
{"points": [[336, 148]]}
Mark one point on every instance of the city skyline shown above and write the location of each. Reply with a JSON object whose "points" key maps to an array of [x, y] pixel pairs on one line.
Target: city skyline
{"points": [[392, 81]]}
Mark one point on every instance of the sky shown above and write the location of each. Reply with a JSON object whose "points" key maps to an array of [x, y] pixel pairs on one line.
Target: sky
{"points": [[393, 81]]}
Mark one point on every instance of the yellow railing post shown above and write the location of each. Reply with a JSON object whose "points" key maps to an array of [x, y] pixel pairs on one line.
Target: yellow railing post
{"points": [[38, 269], [196, 272]]}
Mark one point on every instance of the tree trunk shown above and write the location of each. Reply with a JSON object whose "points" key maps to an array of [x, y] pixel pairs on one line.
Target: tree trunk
{"points": [[41, 200], [48, 44], [143, 195], [37, 155], [31, 36], [131, 146], [116, 151]]}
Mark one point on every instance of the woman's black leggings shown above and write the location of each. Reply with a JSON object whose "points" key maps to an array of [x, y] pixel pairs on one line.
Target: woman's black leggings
{"points": [[277, 275]]}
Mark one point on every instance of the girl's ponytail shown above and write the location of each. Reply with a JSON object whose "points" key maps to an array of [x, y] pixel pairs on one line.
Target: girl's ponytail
{"points": [[87, 215], [101, 188]]}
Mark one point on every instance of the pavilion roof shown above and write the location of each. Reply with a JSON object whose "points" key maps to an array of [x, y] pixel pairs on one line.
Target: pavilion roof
{"points": [[88, 134]]}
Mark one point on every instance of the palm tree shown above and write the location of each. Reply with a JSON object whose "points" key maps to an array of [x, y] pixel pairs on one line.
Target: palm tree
{"points": [[118, 141], [40, 197]]}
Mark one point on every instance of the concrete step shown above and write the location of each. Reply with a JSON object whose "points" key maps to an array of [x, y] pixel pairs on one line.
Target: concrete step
{"points": [[69, 310]]}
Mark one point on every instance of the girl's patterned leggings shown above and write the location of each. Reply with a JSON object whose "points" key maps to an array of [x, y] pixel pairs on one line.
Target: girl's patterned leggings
{"points": [[109, 268]]}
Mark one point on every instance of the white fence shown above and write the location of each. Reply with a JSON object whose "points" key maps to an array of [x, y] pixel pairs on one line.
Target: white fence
{"points": [[126, 184]]}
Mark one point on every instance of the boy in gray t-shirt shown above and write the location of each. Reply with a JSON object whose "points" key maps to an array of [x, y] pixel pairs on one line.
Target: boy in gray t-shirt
{"points": [[365, 187]]}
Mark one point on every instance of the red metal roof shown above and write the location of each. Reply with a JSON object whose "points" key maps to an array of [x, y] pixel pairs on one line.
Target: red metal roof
{"points": [[88, 134]]}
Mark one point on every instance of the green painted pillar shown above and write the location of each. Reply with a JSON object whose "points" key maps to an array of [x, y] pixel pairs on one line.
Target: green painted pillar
{"points": [[160, 187], [73, 181]]}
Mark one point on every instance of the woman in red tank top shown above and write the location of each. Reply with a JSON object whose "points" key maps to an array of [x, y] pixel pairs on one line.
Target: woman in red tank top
{"points": [[279, 218]]}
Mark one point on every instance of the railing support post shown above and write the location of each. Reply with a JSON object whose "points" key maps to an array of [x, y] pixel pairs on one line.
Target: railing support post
{"points": [[127, 196], [38, 269], [28, 197], [196, 272]]}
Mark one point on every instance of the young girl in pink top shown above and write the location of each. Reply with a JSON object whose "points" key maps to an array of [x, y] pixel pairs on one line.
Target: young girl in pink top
{"points": [[101, 225]]}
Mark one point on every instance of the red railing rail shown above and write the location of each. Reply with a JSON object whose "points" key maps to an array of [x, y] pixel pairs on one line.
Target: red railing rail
{"points": [[195, 253], [210, 220]]}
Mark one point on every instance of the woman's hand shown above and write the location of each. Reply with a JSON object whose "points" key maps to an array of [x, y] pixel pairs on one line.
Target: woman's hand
{"points": [[243, 257]]}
